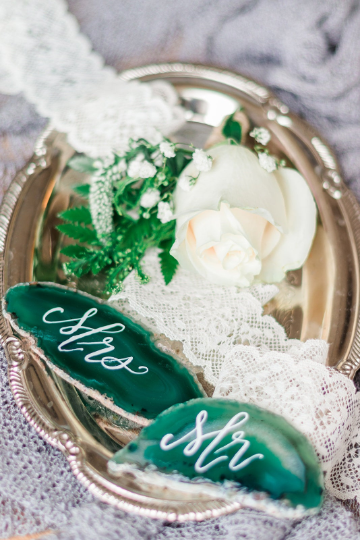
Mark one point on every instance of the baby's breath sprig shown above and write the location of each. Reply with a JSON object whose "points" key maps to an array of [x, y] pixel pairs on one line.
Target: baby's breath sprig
{"points": [[267, 161], [261, 135]]}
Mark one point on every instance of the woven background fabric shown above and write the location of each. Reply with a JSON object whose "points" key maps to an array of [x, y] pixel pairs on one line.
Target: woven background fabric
{"points": [[308, 52]]}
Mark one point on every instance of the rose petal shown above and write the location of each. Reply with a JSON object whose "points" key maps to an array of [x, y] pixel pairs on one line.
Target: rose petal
{"points": [[262, 235], [293, 247], [218, 223]]}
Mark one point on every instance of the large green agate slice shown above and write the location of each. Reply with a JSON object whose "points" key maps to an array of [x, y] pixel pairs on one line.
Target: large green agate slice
{"points": [[100, 351], [228, 444]]}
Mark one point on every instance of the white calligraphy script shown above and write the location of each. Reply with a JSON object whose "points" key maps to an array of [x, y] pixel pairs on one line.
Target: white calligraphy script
{"points": [[108, 362], [194, 445]]}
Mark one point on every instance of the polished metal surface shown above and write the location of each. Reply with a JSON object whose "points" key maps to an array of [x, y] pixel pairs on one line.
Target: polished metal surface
{"points": [[321, 300]]}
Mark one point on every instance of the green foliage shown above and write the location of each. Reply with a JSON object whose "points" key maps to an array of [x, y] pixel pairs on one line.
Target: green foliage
{"points": [[82, 164], [232, 129], [79, 214], [77, 232], [82, 189], [139, 232], [178, 163], [168, 263], [168, 266], [75, 251], [136, 228]]}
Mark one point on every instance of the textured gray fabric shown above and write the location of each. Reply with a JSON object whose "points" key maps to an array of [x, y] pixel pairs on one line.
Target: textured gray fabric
{"points": [[309, 53]]}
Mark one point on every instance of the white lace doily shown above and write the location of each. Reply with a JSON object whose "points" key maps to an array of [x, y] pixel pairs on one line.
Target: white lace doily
{"points": [[54, 66], [247, 357]]}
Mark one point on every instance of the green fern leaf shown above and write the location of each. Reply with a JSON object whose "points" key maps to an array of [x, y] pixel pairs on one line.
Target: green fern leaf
{"points": [[76, 252], [78, 214], [77, 268], [77, 232]]}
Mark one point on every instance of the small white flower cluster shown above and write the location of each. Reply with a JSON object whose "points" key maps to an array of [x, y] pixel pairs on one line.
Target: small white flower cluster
{"points": [[267, 162], [165, 212], [100, 202], [202, 161], [261, 135], [140, 168], [150, 198], [158, 159], [186, 183], [167, 149], [107, 168], [107, 172]]}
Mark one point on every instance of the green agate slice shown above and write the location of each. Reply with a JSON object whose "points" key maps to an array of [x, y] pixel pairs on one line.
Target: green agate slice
{"points": [[231, 443], [99, 350]]}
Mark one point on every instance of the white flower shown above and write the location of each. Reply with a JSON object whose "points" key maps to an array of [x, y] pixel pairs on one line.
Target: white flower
{"points": [[268, 163], [133, 169], [101, 209], [134, 166], [147, 170], [240, 222], [121, 166], [165, 212], [141, 169], [108, 160], [261, 135], [202, 161], [150, 198], [158, 159], [167, 149], [185, 183]]}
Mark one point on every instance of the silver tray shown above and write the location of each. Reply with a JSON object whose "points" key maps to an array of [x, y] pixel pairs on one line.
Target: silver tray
{"points": [[321, 300]]}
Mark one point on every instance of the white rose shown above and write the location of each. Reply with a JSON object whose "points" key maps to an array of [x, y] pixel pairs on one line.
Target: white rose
{"points": [[240, 222]]}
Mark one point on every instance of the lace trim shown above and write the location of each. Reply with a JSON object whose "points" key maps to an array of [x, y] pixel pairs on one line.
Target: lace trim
{"points": [[53, 64], [248, 357]]}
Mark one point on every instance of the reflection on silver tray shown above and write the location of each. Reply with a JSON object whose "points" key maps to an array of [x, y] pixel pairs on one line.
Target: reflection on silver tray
{"points": [[321, 300]]}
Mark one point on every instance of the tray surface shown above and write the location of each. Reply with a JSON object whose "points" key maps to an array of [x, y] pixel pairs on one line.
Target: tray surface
{"points": [[321, 300]]}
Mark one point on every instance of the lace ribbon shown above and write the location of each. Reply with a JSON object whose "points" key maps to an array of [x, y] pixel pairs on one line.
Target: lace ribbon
{"points": [[248, 357], [43, 55]]}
